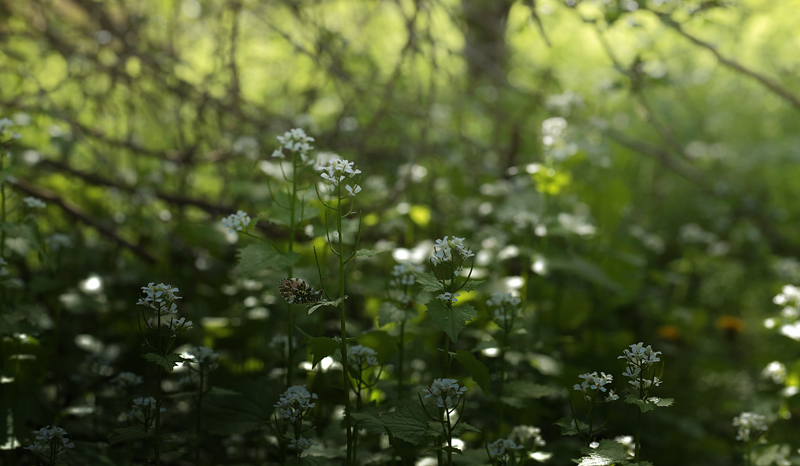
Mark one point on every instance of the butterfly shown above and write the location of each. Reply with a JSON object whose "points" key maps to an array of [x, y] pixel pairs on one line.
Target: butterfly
{"points": [[296, 291]]}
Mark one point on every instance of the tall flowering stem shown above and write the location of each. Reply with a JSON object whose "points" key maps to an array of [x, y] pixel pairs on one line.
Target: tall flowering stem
{"points": [[159, 314], [298, 145], [449, 396], [748, 425], [505, 307], [335, 174]]}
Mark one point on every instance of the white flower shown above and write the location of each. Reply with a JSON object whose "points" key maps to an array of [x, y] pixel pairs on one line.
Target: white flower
{"points": [[34, 203], [126, 380], [638, 358], [443, 250], [204, 355], [445, 297], [627, 442], [159, 297], [337, 171], [295, 141], [527, 436], [403, 274], [749, 423], [359, 355], [301, 444], [501, 448], [352, 191], [775, 371], [592, 381], [503, 305], [50, 442], [295, 402], [446, 392], [236, 222], [552, 129]]}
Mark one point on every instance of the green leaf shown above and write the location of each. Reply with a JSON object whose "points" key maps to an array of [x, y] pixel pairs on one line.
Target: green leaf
{"points": [[408, 422], [519, 393], [429, 282], [369, 422], [464, 427], [334, 303], [321, 347], [471, 285], [254, 259], [567, 425], [127, 433], [167, 362], [649, 404], [609, 452], [477, 369], [364, 253], [452, 322]]}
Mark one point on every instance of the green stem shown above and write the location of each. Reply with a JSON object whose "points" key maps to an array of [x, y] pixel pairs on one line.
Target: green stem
{"points": [[402, 356], [638, 435], [343, 324], [157, 444], [446, 355], [199, 418], [292, 227]]}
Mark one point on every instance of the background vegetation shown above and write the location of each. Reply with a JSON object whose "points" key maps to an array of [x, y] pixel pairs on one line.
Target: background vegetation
{"points": [[666, 211]]}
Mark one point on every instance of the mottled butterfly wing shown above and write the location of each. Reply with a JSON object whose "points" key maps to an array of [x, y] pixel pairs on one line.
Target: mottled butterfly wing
{"points": [[296, 291]]}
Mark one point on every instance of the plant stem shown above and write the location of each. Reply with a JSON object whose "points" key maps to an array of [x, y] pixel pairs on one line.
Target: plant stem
{"points": [[343, 324], [157, 444], [199, 418], [292, 227], [638, 435], [402, 356]]}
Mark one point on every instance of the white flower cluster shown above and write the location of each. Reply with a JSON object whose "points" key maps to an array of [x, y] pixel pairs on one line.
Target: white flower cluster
{"points": [[403, 274], [339, 170], [297, 142], [5, 128], [126, 380], [301, 444], [50, 442], [776, 371], [446, 392], [445, 297], [639, 358], [627, 442], [501, 303], [160, 298], [175, 324], [592, 381], [749, 423], [443, 250], [527, 436], [789, 298], [236, 222], [295, 402], [204, 355], [359, 355], [502, 448], [553, 138], [144, 405], [34, 203]]}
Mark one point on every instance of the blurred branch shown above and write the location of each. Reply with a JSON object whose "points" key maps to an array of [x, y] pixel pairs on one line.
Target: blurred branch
{"points": [[768, 82], [75, 212]]}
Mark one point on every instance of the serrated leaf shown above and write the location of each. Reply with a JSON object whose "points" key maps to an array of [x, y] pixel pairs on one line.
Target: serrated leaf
{"points": [[364, 253], [428, 282], [254, 259], [471, 285], [452, 322], [369, 422], [334, 303], [649, 404], [568, 427], [408, 422], [321, 347], [609, 452], [167, 362], [464, 427], [477, 369], [127, 433]]}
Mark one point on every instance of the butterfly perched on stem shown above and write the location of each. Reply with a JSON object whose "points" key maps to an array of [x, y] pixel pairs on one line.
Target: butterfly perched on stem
{"points": [[296, 291]]}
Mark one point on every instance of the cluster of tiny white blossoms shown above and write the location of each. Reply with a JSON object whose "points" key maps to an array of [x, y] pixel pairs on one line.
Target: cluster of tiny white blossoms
{"points": [[145, 405], [301, 444], [789, 298], [359, 355], [446, 392], [592, 381], [204, 355], [528, 436], [126, 380], [297, 142], [627, 442], [295, 402], [160, 298], [502, 448], [749, 423], [6, 126], [501, 303], [50, 442], [34, 203], [553, 138], [403, 274], [445, 297], [236, 222], [339, 170], [444, 250], [637, 359]]}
